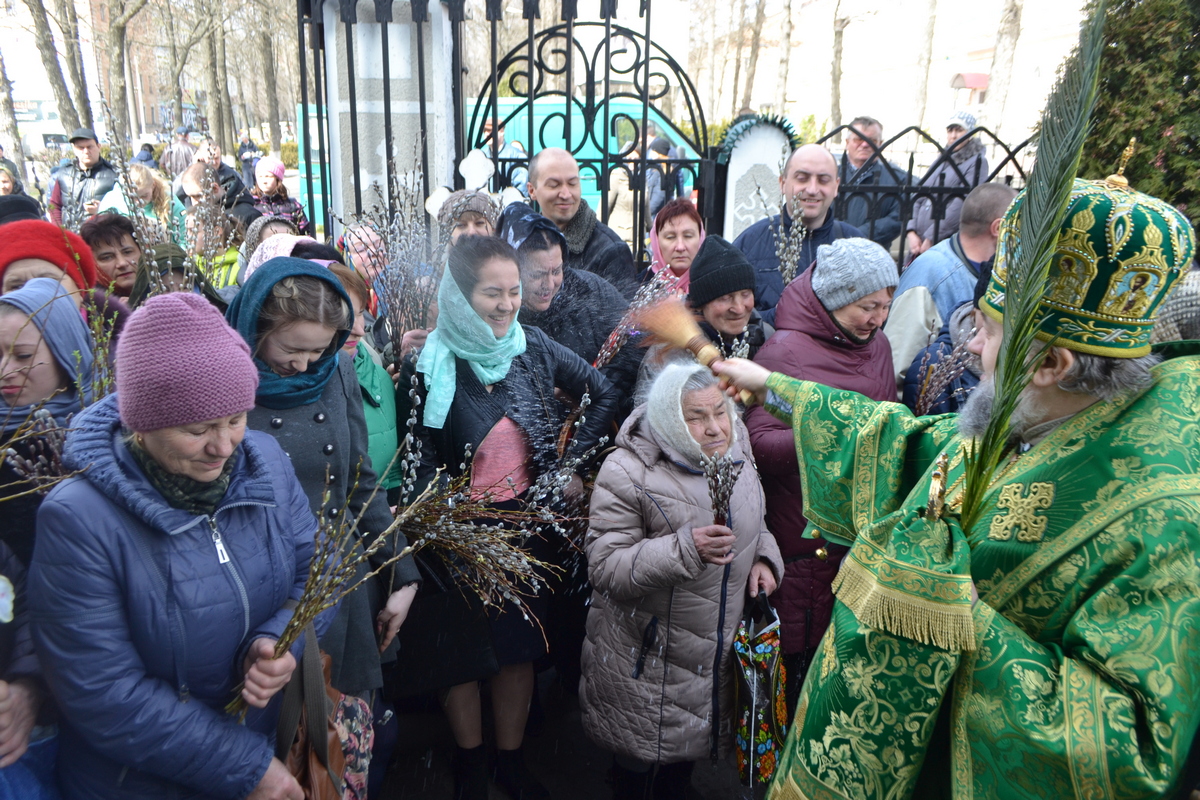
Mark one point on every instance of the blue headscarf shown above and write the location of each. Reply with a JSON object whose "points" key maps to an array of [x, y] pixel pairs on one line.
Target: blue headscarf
{"points": [[276, 391], [461, 332], [52, 311]]}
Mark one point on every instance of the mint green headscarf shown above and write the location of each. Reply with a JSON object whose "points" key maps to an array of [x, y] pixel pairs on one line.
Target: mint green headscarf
{"points": [[461, 332]]}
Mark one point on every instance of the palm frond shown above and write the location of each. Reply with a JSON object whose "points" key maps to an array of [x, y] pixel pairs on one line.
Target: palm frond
{"points": [[1030, 247]]}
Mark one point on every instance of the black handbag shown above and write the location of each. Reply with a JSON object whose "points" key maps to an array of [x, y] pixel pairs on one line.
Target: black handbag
{"points": [[445, 640]]}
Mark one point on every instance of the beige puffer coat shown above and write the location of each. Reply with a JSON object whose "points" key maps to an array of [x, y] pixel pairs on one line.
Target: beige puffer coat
{"points": [[653, 634]]}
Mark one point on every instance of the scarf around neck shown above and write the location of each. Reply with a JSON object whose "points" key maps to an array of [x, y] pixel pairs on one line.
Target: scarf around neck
{"points": [[180, 491], [579, 229], [55, 316], [461, 333], [277, 391]]}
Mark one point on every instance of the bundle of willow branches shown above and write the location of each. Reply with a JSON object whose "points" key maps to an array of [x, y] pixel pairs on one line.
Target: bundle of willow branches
{"points": [[396, 231], [1062, 130], [789, 244], [936, 377], [40, 467], [480, 545], [650, 293], [722, 473]]}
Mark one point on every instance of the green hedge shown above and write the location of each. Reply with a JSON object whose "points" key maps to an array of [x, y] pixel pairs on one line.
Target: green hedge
{"points": [[289, 152]]}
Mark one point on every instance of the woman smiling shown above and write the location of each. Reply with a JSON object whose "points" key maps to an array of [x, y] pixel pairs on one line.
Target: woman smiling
{"points": [[488, 384]]}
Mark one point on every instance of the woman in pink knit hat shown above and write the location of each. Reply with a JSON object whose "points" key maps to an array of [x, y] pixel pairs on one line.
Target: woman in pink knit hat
{"points": [[164, 569], [271, 196]]}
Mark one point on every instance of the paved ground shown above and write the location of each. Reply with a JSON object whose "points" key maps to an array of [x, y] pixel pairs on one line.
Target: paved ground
{"points": [[560, 755]]}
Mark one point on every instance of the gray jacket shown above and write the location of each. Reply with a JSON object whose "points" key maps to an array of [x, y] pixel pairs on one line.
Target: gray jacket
{"points": [[653, 634], [332, 433]]}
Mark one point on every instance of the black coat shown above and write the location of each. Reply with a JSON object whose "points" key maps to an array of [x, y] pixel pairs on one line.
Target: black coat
{"points": [[599, 251], [526, 396], [757, 244], [582, 315], [74, 186], [862, 208]]}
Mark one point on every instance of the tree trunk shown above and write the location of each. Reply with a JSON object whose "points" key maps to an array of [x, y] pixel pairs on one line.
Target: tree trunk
{"points": [[1002, 61], [268, 56], [737, 59], [117, 87], [213, 102], [68, 23], [119, 16], [8, 122], [176, 69], [719, 93], [835, 76], [49, 53], [228, 144], [785, 60], [924, 55], [760, 16]]}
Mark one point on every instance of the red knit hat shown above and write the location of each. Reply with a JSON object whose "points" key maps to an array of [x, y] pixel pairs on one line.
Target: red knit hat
{"points": [[180, 363], [35, 238]]}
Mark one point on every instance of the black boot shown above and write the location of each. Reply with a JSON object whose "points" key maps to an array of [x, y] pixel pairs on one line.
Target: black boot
{"points": [[470, 774], [630, 785], [515, 778]]}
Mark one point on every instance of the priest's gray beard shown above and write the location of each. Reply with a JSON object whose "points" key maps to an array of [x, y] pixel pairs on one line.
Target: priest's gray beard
{"points": [[974, 416]]}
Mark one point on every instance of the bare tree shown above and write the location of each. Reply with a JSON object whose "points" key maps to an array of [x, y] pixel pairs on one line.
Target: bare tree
{"points": [[178, 51], [1002, 61], [227, 137], [268, 57], [924, 56], [68, 24], [49, 53], [760, 16], [120, 12], [213, 93], [8, 121], [835, 78], [785, 59], [737, 59]]}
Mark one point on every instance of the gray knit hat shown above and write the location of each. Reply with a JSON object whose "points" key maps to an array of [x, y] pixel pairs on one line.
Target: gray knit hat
{"points": [[850, 269]]}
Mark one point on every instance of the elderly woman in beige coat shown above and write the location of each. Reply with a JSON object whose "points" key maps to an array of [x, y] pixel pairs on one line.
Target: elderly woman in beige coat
{"points": [[669, 586]]}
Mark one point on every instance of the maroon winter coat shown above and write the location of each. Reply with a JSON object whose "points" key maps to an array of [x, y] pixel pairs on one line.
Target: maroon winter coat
{"points": [[807, 345]]}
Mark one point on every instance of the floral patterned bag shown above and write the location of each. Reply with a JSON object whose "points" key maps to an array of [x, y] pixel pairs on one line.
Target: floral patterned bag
{"points": [[760, 702]]}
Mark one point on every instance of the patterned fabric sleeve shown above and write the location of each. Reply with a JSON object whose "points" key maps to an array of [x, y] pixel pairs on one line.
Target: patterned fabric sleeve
{"points": [[1109, 711]]}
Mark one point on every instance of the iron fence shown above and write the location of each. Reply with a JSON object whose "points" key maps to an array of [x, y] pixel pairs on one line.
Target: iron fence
{"points": [[592, 87]]}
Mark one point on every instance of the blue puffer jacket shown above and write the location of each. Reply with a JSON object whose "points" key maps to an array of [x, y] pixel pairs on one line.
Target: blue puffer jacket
{"points": [[141, 630], [757, 244]]}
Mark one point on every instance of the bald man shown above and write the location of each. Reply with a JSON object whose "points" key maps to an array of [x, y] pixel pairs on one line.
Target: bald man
{"points": [[592, 246], [809, 183]]}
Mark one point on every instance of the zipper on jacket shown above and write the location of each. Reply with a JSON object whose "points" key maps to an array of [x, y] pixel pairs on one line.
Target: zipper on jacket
{"points": [[223, 557], [648, 637]]}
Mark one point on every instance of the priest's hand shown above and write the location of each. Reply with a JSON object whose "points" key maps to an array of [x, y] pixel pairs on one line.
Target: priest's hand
{"points": [[739, 374]]}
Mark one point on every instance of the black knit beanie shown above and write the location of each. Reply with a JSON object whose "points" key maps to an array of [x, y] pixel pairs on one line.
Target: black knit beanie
{"points": [[718, 269]]}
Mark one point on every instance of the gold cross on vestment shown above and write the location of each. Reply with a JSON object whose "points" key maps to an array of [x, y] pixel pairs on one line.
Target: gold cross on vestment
{"points": [[1021, 517]]}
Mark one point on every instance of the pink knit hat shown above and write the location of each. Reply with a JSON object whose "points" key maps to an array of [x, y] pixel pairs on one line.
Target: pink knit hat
{"points": [[269, 164], [179, 363]]}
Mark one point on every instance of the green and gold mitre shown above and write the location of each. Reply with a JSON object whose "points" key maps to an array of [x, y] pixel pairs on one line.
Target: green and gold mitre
{"points": [[1119, 255]]}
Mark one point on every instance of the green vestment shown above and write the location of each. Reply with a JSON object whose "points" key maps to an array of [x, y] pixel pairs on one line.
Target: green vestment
{"points": [[1079, 671]]}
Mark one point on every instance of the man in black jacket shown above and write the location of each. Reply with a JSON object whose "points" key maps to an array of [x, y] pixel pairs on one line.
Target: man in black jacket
{"points": [[591, 245], [809, 184], [79, 186], [862, 166], [196, 182]]}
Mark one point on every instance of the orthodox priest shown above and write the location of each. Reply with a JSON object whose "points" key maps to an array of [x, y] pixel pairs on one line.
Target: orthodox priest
{"points": [[1043, 642]]}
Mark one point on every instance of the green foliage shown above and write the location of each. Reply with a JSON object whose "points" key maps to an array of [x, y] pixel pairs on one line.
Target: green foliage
{"points": [[158, 151], [1148, 89], [289, 154], [264, 148], [809, 130]]}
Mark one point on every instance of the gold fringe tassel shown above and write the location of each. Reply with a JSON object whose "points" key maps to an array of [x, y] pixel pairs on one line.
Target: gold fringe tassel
{"points": [[949, 628]]}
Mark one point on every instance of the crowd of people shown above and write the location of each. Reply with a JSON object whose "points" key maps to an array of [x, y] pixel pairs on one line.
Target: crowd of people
{"points": [[229, 386]]}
